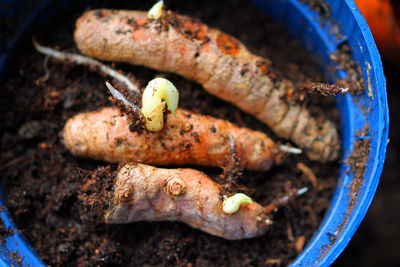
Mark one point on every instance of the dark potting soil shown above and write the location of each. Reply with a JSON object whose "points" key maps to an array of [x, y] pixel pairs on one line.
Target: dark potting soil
{"points": [[57, 200]]}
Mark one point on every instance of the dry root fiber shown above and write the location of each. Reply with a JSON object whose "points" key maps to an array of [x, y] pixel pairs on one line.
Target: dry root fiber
{"points": [[186, 139], [145, 193], [219, 62]]}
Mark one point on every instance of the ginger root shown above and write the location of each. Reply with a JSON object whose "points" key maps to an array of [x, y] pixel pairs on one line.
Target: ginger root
{"points": [[146, 193], [186, 139]]}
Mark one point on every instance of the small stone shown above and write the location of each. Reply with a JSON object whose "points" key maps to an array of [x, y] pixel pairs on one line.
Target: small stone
{"points": [[30, 130]]}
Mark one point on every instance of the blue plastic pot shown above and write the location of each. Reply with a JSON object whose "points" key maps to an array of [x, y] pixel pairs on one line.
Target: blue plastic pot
{"points": [[348, 207]]}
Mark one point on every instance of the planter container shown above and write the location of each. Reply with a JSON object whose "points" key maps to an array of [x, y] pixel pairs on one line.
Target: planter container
{"points": [[322, 33]]}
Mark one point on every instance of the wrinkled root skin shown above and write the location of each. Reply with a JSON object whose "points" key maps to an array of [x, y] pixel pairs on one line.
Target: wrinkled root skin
{"points": [[146, 193], [219, 62], [185, 139]]}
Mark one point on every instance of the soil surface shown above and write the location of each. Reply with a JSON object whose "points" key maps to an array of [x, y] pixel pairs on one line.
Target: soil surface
{"points": [[53, 196]]}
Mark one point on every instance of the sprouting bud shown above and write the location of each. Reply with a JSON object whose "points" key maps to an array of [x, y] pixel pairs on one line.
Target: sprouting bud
{"points": [[232, 204], [155, 11], [158, 93], [175, 187]]}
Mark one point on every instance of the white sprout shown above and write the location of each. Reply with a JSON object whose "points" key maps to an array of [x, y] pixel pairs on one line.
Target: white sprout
{"points": [[292, 150], [232, 204], [156, 11], [158, 93], [299, 192]]}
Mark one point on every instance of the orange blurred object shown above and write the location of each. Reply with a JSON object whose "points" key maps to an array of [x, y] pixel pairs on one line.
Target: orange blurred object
{"points": [[385, 26]]}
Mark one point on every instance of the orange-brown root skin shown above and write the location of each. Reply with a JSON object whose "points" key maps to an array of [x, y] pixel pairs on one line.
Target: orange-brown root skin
{"points": [[185, 139], [219, 62], [145, 193]]}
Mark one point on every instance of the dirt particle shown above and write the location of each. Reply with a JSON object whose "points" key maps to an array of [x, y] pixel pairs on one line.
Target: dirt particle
{"points": [[196, 137], [213, 129], [300, 241], [30, 130]]}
